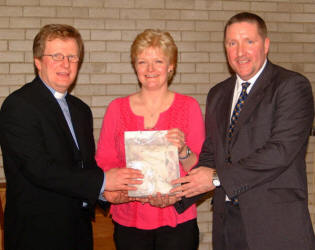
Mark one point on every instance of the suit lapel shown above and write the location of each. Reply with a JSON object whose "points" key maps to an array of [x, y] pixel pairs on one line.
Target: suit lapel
{"points": [[224, 109], [52, 110], [254, 98], [76, 116]]}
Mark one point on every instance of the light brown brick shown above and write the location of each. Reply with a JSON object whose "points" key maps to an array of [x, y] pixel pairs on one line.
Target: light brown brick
{"points": [[240, 6], [10, 11], [12, 34], [121, 89], [194, 78], [4, 91], [208, 5], [105, 57], [306, 38], [4, 22], [119, 3], [187, 89], [210, 46], [290, 7], [12, 80], [94, 45], [120, 24], [165, 14], [134, 14], [209, 26], [195, 36], [103, 35], [129, 35], [24, 22], [290, 27], [303, 17], [22, 2], [4, 68], [105, 78], [180, 25], [20, 45], [98, 112], [194, 15], [103, 13], [289, 47], [209, 67], [277, 17], [129, 79], [72, 12], [217, 57], [194, 57], [186, 68], [3, 45], [90, 3], [221, 15], [264, 6], [150, 24], [180, 4], [119, 68], [18, 68], [39, 12], [101, 101], [90, 68], [11, 57], [89, 23], [150, 4], [68, 21], [122, 46], [56, 2]]}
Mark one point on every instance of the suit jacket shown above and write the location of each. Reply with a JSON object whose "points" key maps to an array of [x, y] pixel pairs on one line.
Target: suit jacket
{"points": [[264, 165], [46, 183]]}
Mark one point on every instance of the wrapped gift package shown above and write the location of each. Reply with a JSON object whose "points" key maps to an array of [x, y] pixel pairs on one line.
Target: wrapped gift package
{"points": [[156, 157]]}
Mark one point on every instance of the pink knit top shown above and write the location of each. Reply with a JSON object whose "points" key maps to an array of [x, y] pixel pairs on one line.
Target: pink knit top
{"points": [[185, 114]]}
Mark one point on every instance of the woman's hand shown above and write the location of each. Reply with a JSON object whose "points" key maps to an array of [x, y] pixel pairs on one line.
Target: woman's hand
{"points": [[162, 200], [177, 137]]}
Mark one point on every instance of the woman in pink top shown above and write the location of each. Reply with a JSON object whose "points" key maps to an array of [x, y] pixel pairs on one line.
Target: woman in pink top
{"points": [[155, 224]]}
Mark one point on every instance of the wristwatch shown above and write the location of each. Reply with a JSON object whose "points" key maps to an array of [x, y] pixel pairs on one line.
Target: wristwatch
{"points": [[215, 180], [188, 153]]}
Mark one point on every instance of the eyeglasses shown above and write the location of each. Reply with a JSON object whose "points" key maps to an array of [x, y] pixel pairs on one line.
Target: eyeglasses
{"points": [[61, 57]]}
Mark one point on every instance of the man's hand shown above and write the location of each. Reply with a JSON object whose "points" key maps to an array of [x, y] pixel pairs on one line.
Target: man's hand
{"points": [[116, 197], [198, 181], [121, 178]]}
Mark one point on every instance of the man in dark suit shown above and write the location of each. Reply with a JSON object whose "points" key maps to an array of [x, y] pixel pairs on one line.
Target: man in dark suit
{"points": [[257, 124], [47, 142]]}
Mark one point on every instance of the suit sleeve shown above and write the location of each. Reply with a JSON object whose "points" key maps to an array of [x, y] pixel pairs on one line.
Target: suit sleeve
{"points": [[26, 152], [205, 159], [283, 152]]}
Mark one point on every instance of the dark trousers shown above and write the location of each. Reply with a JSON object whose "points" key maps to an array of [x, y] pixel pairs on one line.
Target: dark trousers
{"points": [[234, 231], [184, 236], [85, 231]]}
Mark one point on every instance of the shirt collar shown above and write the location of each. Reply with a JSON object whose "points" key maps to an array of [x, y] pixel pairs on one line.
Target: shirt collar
{"points": [[252, 81], [55, 93]]}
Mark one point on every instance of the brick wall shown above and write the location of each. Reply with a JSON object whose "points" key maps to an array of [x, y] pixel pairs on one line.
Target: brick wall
{"points": [[109, 26]]}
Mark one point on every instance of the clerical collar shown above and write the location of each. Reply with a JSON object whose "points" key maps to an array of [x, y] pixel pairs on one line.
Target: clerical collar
{"points": [[56, 94], [59, 95]]}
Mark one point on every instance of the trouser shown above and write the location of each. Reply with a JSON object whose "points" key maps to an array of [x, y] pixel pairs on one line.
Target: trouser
{"points": [[184, 236]]}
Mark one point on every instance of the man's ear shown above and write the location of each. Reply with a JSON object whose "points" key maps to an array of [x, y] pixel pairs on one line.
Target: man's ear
{"points": [[38, 64]]}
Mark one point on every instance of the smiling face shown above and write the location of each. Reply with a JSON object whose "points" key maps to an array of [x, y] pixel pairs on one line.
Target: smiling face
{"points": [[152, 68], [58, 74], [246, 49]]}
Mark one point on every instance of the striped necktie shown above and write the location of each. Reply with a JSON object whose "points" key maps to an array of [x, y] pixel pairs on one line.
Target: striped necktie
{"points": [[238, 108]]}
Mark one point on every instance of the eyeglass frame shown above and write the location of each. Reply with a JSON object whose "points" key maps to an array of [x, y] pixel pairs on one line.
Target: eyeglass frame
{"points": [[70, 57]]}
